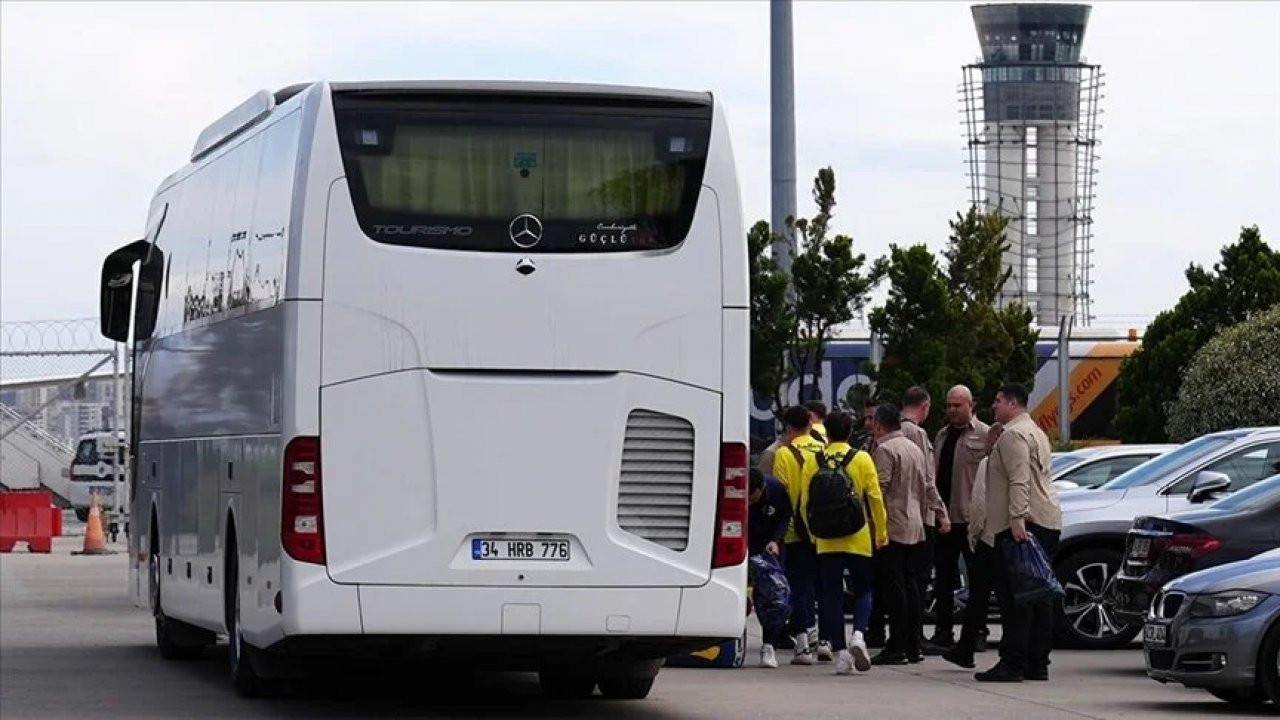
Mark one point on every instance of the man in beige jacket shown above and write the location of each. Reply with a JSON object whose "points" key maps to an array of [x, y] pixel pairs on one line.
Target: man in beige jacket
{"points": [[1021, 503], [902, 469]]}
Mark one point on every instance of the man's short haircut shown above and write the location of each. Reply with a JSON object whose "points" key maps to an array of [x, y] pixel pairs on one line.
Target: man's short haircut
{"points": [[839, 426], [756, 480], [796, 417], [1015, 392], [870, 404], [915, 397], [889, 417], [816, 407]]}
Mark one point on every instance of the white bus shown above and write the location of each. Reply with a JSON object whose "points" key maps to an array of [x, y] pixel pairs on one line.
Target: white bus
{"points": [[458, 369]]}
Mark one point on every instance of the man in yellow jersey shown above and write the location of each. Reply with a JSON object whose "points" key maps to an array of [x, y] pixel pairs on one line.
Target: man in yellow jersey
{"points": [[817, 414], [794, 461], [849, 553], [804, 441]]}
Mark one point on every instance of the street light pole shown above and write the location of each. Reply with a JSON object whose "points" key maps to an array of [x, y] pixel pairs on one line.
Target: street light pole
{"points": [[782, 130]]}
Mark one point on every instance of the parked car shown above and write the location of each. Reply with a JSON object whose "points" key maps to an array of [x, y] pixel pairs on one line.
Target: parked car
{"points": [[1092, 467], [1219, 629], [1097, 522], [1163, 548]]}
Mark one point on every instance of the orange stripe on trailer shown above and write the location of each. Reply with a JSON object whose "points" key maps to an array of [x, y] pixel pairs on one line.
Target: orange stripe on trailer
{"points": [[1090, 376]]}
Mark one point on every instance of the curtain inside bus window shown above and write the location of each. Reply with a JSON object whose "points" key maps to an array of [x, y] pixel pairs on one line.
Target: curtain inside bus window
{"points": [[516, 180]]}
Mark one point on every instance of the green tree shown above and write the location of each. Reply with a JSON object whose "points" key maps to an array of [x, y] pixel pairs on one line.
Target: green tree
{"points": [[1232, 382], [1244, 281], [772, 317], [830, 286], [940, 325]]}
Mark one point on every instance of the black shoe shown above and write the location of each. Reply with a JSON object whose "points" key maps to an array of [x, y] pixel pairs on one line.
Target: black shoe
{"points": [[942, 640], [959, 656], [890, 657], [933, 649], [916, 659], [1037, 674], [999, 674]]}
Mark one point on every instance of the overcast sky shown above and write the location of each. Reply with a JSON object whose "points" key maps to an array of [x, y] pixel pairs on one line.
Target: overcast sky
{"points": [[99, 102]]}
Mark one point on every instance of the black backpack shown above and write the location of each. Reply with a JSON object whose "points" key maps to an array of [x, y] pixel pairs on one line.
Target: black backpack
{"points": [[833, 510]]}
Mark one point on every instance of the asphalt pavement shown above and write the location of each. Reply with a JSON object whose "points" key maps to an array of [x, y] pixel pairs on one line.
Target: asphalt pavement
{"points": [[72, 645]]}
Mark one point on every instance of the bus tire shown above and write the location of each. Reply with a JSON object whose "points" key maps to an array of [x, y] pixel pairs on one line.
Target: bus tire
{"points": [[564, 684], [626, 688], [175, 639], [245, 678], [82, 514]]}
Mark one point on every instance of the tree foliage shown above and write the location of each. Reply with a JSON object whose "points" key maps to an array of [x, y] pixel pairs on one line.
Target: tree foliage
{"points": [[1232, 382], [940, 325], [829, 284], [772, 316], [1244, 281]]}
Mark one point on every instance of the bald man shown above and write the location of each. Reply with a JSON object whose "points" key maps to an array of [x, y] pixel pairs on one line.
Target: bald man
{"points": [[958, 448]]}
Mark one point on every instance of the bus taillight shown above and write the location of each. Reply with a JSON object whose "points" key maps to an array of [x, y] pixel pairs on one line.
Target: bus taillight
{"points": [[731, 508], [302, 516]]}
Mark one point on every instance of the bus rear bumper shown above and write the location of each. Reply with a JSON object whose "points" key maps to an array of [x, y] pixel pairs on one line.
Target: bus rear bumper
{"points": [[315, 605]]}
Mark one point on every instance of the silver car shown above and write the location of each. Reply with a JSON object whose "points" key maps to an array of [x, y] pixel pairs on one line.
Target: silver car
{"points": [[1219, 629], [1096, 522], [1092, 467]]}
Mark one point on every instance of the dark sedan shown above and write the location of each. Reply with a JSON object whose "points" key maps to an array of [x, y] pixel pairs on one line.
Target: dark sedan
{"points": [[1160, 549]]}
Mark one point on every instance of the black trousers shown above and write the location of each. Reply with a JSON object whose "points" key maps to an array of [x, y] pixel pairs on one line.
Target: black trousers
{"points": [[947, 551], [924, 570], [980, 589], [1028, 629], [899, 578]]}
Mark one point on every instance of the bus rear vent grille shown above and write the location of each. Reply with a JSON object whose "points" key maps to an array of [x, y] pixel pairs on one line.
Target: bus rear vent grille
{"points": [[656, 490]]}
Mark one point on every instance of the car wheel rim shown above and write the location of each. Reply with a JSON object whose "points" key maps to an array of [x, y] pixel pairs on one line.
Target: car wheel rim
{"points": [[1086, 604]]}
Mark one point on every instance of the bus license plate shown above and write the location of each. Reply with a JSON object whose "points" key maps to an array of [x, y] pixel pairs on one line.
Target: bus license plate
{"points": [[520, 549], [1156, 635]]}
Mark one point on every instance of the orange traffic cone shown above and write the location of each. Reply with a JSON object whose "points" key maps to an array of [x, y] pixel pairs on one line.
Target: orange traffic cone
{"points": [[95, 540]]}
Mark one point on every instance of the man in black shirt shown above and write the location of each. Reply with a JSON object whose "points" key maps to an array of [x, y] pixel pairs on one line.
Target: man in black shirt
{"points": [[958, 449]]}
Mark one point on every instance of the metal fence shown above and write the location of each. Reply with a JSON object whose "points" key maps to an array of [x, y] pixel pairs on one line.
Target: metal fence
{"points": [[62, 397]]}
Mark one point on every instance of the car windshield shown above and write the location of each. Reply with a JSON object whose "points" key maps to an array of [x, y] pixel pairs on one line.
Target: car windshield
{"points": [[1259, 495], [1152, 470], [1063, 462]]}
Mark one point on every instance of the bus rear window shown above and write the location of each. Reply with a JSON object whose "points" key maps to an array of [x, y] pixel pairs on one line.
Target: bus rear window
{"points": [[488, 175]]}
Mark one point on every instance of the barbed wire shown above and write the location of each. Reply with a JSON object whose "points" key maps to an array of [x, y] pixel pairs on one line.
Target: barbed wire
{"points": [[74, 335]]}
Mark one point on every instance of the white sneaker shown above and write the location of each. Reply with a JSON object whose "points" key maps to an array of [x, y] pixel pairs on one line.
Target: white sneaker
{"points": [[768, 659], [844, 663], [803, 656], [858, 650], [825, 653]]}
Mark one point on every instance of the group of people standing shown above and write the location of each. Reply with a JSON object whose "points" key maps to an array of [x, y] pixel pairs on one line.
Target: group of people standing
{"points": [[927, 504]]}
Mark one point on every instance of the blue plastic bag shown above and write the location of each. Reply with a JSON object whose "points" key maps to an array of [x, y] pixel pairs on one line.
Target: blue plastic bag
{"points": [[771, 593], [1030, 572]]}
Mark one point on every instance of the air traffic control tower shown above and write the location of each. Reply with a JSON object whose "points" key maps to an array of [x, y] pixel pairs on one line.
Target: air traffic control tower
{"points": [[1030, 108]]}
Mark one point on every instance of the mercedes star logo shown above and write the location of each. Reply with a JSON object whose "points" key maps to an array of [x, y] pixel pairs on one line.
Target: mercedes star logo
{"points": [[525, 230]]}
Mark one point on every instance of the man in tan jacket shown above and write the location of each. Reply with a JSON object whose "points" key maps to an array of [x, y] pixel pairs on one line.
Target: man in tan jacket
{"points": [[1021, 503], [933, 509], [902, 469]]}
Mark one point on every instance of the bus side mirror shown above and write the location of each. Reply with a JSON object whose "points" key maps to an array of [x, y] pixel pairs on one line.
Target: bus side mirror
{"points": [[116, 292]]}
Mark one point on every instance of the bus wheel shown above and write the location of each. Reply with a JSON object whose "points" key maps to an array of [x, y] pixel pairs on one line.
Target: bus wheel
{"points": [[629, 682], [244, 676], [561, 684], [82, 514], [176, 640]]}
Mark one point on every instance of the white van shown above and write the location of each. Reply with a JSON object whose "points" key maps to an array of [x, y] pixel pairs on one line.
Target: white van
{"points": [[93, 471]]}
